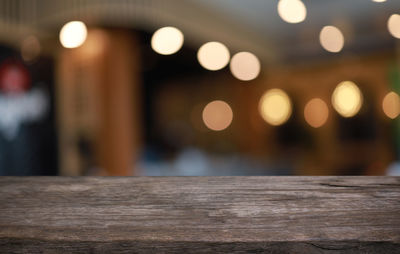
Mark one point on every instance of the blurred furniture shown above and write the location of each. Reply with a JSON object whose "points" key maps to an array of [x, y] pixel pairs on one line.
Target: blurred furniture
{"points": [[200, 215]]}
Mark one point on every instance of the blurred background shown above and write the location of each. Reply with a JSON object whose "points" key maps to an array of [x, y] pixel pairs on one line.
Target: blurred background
{"points": [[199, 87]]}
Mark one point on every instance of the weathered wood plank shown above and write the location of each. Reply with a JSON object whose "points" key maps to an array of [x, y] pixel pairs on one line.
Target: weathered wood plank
{"points": [[200, 215]]}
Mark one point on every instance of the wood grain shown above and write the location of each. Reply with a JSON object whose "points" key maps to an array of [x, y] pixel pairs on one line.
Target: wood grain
{"points": [[200, 215]]}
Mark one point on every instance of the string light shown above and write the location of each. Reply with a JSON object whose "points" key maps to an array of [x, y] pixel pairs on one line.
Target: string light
{"points": [[217, 115], [347, 99], [245, 66], [331, 39], [275, 107], [213, 56], [167, 40], [394, 25], [292, 11], [391, 105], [73, 34]]}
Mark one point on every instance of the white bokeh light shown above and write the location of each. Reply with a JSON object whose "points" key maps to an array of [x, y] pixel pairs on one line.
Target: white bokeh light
{"points": [[245, 66], [30, 48], [213, 56], [292, 11], [167, 40], [394, 25], [73, 34], [331, 39]]}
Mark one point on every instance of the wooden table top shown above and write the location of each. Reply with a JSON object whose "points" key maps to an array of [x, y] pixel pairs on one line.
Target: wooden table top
{"points": [[200, 214]]}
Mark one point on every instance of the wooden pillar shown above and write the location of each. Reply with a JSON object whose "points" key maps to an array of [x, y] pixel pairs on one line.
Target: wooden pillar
{"points": [[98, 105]]}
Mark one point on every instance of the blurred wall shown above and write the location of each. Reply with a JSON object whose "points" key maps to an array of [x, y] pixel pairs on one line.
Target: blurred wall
{"points": [[359, 145]]}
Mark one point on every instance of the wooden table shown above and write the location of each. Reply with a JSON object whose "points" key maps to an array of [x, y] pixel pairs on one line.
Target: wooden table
{"points": [[200, 215]]}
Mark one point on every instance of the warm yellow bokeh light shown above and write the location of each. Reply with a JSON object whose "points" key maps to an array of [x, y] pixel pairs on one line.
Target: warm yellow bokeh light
{"points": [[30, 48], [95, 43], [316, 112], [73, 34], [394, 25], [275, 107], [217, 115], [347, 99], [292, 11], [245, 66], [167, 40], [213, 56], [379, 1], [331, 39], [391, 105]]}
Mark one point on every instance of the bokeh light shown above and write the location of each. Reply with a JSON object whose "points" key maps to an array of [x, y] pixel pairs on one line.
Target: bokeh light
{"points": [[217, 115], [292, 11], [347, 99], [245, 66], [331, 39], [167, 40], [379, 1], [213, 56], [30, 48], [316, 112], [14, 77], [394, 25], [95, 43], [391, 105], [73, 34], [275, 107]]}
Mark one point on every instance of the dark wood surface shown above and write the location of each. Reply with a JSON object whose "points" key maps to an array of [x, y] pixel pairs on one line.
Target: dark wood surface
{"points": [[200, 215]]}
